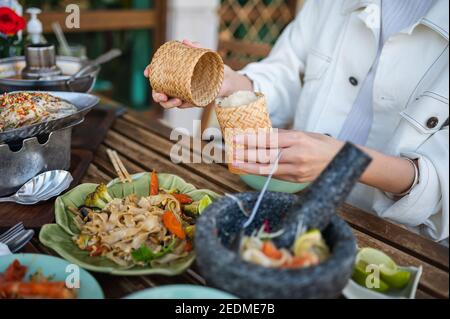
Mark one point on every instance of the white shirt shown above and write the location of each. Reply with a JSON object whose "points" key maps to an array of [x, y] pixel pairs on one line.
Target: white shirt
{"points": [[308, 82]]}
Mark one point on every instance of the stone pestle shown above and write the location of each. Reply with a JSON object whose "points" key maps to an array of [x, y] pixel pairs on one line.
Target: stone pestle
{"points": [[318, 204]]}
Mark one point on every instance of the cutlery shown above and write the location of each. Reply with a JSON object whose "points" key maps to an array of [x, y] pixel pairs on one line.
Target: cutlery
{"points": [[102, 59], [20, 241], [263, 192], [235, 244], [61, 38], [41, 188], [11, 232]]}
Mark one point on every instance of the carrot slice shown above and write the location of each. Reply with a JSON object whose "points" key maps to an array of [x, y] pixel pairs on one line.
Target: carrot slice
{"points": [[305, 260], [271, 251], [154, 184], [172, 223], [183, 199]]}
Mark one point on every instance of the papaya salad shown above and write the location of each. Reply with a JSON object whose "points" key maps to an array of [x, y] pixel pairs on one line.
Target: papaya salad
{"points": [[309, 249], [138, 231]]}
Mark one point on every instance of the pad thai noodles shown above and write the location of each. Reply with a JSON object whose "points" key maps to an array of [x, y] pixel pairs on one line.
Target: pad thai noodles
{"points": [[132, 231]]}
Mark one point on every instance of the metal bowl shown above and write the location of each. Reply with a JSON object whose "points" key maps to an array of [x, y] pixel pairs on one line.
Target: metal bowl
{"points": [[21, 161], [223, 267], [11, 70]]}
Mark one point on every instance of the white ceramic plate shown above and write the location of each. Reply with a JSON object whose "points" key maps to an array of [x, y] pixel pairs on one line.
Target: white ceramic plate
{"points": [[355, 291]]}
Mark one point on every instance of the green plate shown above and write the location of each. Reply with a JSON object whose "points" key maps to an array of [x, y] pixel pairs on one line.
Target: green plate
{"points": [[59, 236], [56, 268], [257, 182], [181, 292]]}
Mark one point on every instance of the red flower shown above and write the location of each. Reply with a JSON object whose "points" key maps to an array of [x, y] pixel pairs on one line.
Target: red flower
{"points": [[10, 22]]}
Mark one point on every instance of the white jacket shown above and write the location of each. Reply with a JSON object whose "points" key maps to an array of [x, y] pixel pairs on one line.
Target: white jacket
{"points": [[307, 82]]}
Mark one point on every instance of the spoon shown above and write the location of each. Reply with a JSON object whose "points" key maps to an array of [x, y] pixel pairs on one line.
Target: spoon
{"points": [[61, 38], [263, 192], [41, 188], [102, 59], [237, 240]]}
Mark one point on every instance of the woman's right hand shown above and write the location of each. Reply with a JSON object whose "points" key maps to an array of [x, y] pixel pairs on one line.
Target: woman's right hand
{"points": [[232, 82]]}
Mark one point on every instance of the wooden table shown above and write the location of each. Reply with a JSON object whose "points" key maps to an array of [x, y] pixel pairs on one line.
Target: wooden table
{"points": [[144, 144]]}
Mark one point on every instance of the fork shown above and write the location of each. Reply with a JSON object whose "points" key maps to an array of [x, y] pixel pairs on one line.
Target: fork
{"points": [[16, 237], [21, 240], [11, 233]]}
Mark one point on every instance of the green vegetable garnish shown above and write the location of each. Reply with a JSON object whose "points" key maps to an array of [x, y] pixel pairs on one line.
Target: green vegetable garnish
{"points": [[197, 208], [204, 203], [99, 198], [146, 255]]}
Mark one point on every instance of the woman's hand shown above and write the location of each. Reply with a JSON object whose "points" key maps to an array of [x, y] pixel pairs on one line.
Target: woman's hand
{"points": [[232, 82], [304, 155]]}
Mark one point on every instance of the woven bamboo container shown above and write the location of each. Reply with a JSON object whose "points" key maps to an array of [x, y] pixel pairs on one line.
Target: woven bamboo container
{"points": [[191, 74], [251, 118]]}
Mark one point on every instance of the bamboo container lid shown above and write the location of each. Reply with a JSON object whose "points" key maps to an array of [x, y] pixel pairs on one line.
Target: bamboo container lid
{"points": [[191, 74]]}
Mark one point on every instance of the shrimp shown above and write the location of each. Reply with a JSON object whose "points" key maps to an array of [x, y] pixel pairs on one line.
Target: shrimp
{"points": [[42, 290]]}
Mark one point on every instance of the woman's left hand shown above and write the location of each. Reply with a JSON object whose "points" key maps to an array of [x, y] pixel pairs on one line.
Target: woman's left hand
{"points": [[304, 155]]}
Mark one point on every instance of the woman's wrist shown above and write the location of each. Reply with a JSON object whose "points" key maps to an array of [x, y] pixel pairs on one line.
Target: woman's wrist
{"points": [[390, 174], [234, 82]]}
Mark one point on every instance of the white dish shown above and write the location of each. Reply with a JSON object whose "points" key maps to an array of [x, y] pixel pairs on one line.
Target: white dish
{"points": [[355, 291]]}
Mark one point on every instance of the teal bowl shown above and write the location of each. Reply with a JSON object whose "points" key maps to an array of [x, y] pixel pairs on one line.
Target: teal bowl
{"points": [[181, 292], [59, 270], [257, 182]]}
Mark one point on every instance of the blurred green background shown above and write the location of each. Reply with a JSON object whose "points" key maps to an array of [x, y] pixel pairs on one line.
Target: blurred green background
{"points": [[136, 47]]}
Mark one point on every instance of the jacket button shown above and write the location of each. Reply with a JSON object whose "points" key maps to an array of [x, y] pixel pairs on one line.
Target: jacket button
{"points": [[353, 81], [432, 122]]}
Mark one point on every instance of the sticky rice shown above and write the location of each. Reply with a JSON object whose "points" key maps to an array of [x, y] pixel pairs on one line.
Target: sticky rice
{"points": [[243, 112], [237, 99]]}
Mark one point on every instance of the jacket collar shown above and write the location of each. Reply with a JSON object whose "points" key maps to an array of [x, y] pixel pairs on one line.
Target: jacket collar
{"points": [[436, 18]]}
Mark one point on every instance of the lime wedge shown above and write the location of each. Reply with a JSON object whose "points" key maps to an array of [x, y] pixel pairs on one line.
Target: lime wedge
{"points": [[360, 277], [204, 202], [389, 271], [370, 256], [311, 241], [397, 280]]}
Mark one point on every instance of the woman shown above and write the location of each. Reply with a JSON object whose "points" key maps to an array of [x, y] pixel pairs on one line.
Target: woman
{"points": [[372, 72]]}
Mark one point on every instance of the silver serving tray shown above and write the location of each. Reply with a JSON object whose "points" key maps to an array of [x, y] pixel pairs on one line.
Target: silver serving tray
{"points": [[82, 101]]}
